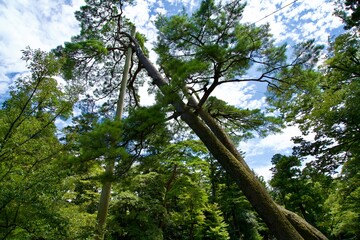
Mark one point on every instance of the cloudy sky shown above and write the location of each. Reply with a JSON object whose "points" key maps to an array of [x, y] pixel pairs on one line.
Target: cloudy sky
{"points": [[48, 23]]}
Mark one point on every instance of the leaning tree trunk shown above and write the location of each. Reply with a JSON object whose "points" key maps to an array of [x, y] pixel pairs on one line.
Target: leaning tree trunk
{"points": [[109, 170], [306, 230], [283, 223], [246, 180]]}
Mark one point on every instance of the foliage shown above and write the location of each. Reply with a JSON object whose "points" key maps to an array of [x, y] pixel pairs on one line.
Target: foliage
{"points": [[343, 203], [31, 154], [324, 102], [165, 197], [166, 185], [299, 191], [150, 133], [94, 59], [349, 12], [328, 203], [242, 123], [242, 220]]}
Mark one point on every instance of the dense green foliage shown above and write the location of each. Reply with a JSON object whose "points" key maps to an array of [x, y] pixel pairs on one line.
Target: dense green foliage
{"points": [[324, 102], [166, 184], [349, 12], [31, 155]]}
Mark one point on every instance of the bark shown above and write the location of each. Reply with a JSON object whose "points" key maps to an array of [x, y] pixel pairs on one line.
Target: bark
{"points": [[283, 223], [306, 230], [246, 180], [120, 102], [104, 202], [109, 170]]}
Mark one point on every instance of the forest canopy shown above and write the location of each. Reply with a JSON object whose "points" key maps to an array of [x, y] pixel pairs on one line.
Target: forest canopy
{"points": [[173, 169]]}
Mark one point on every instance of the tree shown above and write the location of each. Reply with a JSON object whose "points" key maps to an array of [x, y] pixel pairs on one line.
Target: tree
{"points": [[109, 170], [343, 203], [31, 154], [285, 180], [165, 197], [236, 48], [324, 102], [94, 139], [95, 56], [298, 190], [214, 137], [242, 220], [349, 12]]}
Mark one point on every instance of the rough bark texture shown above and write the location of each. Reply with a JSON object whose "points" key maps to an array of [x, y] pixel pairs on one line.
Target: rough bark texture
{"points": [[306, 230], [251, 187]]}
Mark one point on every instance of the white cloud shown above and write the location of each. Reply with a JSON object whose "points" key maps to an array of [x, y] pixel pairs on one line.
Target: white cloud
{"points": [[264, 171], [259, 151], [138, 13], [3, 87], [48, 23], [161, 10], [292, 22], [190, 3], [41, 24], [273, 143], [240, 94]]}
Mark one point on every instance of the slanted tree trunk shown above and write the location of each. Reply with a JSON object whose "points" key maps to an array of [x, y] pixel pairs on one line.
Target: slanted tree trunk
{"points": [[109, 170], [246, 180], [306, 230], [280, 222]]}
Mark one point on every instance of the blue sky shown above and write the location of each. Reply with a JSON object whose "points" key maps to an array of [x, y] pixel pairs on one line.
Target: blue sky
{"points": [[48, 23]]}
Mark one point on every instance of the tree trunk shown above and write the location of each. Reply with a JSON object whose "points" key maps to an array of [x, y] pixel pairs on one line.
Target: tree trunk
{"points": [[246, 180], [238, 169], [109, 170], [104, 202], [222, 148], [306, 230]]}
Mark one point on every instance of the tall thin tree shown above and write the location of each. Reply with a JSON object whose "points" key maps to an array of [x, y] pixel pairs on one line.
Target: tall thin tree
{"points": [[109, 170]]}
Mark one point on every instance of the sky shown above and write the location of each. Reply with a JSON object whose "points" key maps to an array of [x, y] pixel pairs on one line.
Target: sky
{"points": [[46, 24]]}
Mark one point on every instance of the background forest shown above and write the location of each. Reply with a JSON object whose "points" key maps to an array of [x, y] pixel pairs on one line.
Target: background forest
{"points": [[171, 170]]}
